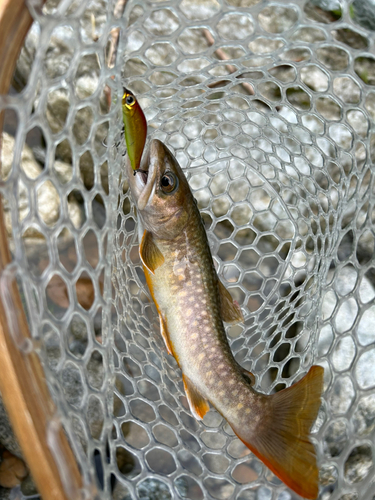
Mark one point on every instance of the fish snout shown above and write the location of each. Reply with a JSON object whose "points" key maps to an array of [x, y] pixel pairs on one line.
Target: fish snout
{"points": [[157, 152]]}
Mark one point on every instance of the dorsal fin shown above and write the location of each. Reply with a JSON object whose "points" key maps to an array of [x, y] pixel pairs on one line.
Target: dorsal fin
{"points": [[198, 405], [230, 310], [151, 256]]}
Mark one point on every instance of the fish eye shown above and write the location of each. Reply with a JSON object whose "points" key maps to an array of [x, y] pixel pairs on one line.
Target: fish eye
{"points": [[129, 100], [169, 183]]}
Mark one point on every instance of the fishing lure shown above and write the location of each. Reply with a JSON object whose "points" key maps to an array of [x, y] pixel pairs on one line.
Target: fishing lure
{"points": [[135, 128], [192, 304]]}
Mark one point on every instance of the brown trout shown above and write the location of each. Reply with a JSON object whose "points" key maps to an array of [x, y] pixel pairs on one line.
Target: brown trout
{"points": [[192, 304]]}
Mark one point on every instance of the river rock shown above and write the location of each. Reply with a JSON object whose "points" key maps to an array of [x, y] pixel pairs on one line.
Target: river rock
{"points": [[5, 493], [57, 61], [7, 437], [47, 196]]}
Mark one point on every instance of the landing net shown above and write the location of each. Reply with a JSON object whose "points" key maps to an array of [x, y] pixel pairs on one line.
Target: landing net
{"points": [[269, 109]]}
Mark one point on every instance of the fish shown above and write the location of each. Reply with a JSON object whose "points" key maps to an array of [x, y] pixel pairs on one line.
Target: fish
{"points": [[192, 304], [135, 128]]}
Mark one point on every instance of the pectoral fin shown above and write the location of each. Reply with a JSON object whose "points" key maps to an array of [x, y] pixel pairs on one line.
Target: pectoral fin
{"points": [[151, 256], [198, 405], [230, 310], [165, 334]]}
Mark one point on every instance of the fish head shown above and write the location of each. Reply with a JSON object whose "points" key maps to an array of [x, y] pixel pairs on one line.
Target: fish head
{"points": [[161, 192]]}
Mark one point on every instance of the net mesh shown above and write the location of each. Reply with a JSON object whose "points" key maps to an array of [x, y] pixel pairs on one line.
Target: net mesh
{"points": [[269, 110]]}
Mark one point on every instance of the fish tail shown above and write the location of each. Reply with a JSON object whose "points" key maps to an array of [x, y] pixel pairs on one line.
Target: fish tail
{"points": [[281, 438]]}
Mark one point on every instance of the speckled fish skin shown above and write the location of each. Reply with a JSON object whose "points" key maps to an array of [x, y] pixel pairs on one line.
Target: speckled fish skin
{"points": [[185, 288]]}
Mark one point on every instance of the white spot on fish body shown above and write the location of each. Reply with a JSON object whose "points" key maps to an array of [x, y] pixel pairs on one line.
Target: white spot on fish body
{"points": [[179, 267]]}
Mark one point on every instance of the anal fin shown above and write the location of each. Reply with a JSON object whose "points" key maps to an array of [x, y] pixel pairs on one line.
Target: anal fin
{"points": [[230, 310], [151, 256], [198, 405], [165, 334]]}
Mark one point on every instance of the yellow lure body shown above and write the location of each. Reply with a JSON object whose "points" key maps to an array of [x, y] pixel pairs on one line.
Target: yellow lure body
{"points": [[135, 126]]}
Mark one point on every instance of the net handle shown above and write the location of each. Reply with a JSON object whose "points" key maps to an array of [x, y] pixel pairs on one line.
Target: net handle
{"points": [[22, 381]]}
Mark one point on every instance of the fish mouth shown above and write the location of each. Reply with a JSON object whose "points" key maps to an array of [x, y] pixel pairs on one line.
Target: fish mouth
{"points": [[143, 179], [142, 173]]}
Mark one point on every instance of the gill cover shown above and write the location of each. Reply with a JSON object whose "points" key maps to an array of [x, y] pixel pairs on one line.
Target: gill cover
{"points": [[135, 128]]}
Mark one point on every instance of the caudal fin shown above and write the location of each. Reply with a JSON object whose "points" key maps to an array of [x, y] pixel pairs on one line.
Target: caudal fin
{"points": [[281, 440]]}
